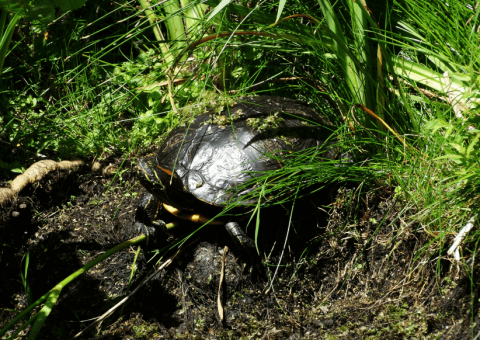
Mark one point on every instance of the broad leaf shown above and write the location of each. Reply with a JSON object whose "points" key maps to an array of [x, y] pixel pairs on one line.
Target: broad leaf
{"points": [[456, 158], [474, 142], [436, 124], [458, 147]]}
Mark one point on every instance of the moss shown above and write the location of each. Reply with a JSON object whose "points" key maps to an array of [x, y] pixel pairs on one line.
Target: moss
{"points": [[271, 122]]}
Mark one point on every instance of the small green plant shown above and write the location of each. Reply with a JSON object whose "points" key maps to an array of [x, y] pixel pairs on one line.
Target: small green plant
{"points": [[18, 170], [199, 323], [23, 276], [459, 140]]}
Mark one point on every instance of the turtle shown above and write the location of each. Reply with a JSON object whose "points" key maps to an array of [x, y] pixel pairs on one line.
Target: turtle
{"points": [[201, 166]]}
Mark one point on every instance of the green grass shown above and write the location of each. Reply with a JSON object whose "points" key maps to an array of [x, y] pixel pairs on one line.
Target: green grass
{"points": [[112, 80]]}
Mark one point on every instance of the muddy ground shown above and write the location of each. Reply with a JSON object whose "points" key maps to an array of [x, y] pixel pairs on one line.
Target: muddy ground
{"points": [[347, 271]]}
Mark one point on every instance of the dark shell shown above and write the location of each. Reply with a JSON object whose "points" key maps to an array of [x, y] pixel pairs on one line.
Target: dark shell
{"points": [[209, 160]]}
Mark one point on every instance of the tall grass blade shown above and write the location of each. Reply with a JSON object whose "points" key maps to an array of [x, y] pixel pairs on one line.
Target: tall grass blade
{"points": [[281, 5], [174, 23], [341, 50], [7, 35], [218, 8], [23, 276], [45, 312]]}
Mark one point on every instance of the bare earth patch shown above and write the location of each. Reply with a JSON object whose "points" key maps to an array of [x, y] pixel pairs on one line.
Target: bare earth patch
{"points": [[348, 271]]}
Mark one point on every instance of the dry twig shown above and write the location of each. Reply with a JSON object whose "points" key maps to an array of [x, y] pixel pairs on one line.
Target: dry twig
{"points": [[219, 301]]}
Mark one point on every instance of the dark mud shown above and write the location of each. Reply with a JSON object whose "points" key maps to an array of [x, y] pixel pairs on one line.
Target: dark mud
{"points": [[348, 269]]}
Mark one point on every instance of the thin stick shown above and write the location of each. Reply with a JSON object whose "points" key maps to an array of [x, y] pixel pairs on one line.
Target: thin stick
{"points": [[170, 92], [283, 251], [219, 301]]}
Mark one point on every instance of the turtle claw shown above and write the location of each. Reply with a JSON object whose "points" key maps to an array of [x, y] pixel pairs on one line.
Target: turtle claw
{"points": [[256, 269], [148, 210], [143, 229], [247, 246], [154, 232]]}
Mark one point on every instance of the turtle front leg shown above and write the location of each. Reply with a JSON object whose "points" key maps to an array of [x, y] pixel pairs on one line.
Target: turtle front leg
{"points": [[147, 217], [246, 244]]}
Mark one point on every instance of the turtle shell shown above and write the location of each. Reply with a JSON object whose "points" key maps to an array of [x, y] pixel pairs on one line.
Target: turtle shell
{"points": [[201, 164]]}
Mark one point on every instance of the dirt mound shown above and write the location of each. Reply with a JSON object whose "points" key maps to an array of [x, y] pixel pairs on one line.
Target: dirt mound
{"points": [[348, 270]]}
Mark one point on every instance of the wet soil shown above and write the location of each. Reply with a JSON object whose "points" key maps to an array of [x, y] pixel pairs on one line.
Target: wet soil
{"points": [[349, 269]]}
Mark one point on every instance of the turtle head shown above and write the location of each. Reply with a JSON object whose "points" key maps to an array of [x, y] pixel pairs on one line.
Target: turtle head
{"points": [[160, 183], [156, 182]]}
